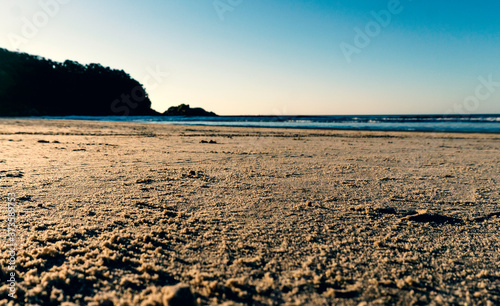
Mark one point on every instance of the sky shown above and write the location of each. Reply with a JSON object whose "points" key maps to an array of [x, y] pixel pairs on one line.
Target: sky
{"points": [[269, 57]]}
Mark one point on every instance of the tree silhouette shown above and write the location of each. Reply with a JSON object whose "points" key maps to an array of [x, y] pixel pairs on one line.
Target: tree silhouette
{"points": [[34, 86]]}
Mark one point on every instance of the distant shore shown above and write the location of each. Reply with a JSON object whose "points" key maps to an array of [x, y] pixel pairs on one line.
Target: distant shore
{"points": [[121, 212]]}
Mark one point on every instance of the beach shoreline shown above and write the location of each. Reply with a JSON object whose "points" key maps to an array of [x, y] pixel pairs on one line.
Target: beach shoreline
{"points": [[481, 124], [122, 212]]}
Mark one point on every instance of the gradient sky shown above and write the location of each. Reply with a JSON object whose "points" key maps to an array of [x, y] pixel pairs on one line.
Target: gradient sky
{"points": [[279, 57]]}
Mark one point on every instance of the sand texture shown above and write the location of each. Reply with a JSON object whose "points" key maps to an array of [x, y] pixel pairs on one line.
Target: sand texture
{"points": [[137, 214]]}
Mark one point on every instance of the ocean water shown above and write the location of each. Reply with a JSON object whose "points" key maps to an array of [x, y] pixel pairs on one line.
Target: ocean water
{"points": [[420, 123]]}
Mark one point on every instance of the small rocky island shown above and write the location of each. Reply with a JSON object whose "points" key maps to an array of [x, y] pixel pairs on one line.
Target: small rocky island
{"points": [[34, 86], [186, 110]]}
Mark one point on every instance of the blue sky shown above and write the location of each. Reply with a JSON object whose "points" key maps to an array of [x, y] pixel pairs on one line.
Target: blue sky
{"points": [[276, 57]]}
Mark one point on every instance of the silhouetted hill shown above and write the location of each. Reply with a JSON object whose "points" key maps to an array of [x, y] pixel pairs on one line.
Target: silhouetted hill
{"points": [[34, 86], [185, 110]]}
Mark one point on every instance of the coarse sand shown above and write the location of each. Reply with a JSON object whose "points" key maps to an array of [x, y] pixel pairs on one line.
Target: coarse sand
{"points": [[146, 214]]}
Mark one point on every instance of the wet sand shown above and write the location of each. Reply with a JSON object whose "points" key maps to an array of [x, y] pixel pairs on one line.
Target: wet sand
{"points": [[136, 214]]}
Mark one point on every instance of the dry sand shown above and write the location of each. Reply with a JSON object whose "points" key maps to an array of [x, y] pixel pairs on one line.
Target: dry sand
{"points": [[118, 213]]}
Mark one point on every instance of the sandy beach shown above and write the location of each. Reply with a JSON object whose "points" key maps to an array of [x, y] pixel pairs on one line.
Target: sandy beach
{"points": [[138, 214]]}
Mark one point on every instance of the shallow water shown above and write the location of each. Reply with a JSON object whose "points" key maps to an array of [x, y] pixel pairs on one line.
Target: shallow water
{"points": [[422, 123]]}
